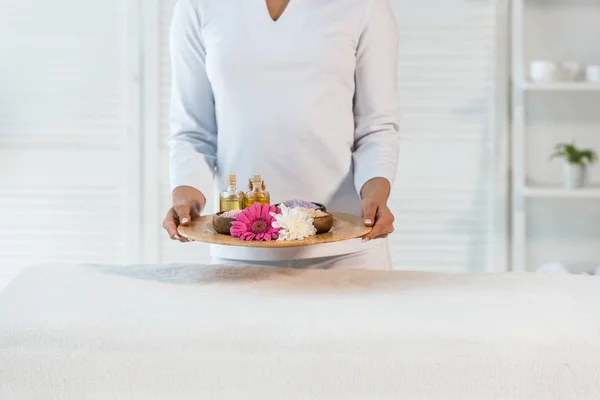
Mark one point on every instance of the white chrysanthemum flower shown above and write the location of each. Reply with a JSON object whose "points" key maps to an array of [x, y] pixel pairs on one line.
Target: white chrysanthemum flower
{"points": [[294, 223]]}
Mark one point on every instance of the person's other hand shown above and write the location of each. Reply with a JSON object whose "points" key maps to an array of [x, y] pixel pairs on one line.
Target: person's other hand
{"points": [[375, 211], [187, 204]]}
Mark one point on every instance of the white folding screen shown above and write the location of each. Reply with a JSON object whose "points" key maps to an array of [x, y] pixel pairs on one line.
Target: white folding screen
{"points": [[68, 132], [450, 193], [158, 247], [449, 197]]}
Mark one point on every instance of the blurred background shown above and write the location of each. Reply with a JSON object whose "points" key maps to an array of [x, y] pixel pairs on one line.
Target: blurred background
{"points": [[487, 89]]}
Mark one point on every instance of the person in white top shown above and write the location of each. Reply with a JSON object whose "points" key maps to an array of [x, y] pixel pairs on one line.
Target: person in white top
{"points": [[303, 92]]}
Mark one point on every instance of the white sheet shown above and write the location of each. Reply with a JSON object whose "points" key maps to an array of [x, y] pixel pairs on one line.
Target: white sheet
{"points": [[199, 332]]}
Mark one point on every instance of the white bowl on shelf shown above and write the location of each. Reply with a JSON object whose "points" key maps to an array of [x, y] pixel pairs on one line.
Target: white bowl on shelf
{"points": [[592, 73], [571, 71], [544, 71], [554, 268]]}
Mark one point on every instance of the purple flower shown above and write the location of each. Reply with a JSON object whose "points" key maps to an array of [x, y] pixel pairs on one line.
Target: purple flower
{"points": [[300, 203]]}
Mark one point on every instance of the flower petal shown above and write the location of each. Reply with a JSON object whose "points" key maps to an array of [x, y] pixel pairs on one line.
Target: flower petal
{"points": [[243, 217], [261, 211], [254, 211], [237, 228], [238, 224]]}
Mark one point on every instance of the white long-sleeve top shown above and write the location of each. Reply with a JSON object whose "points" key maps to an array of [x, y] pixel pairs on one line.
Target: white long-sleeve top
{"points": [[308, 101]]}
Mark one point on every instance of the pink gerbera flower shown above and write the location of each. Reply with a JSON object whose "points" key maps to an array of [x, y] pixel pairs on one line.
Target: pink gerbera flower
{"points": [[256, 223]]}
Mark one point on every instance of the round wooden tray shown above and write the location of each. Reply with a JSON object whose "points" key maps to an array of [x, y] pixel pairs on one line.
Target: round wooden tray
{"points": [[345, 226]]}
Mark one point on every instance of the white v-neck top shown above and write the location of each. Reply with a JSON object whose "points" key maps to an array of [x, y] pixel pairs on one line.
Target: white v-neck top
{"points": [[308, 101]]}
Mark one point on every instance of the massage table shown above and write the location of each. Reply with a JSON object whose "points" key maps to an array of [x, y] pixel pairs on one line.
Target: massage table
{"points": [[221, 332]]}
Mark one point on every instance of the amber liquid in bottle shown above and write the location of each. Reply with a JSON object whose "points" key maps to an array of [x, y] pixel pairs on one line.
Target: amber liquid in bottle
{"points": [[231, 199], [257, 192]]}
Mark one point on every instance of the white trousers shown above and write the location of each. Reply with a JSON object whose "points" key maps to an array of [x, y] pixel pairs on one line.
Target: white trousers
{"points": [[375, 258]]}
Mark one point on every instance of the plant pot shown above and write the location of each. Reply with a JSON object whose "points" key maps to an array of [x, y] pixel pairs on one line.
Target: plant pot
{"points": [[574, 176]]}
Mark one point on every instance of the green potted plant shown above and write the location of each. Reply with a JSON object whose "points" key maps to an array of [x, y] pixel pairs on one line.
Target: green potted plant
{"points": [[576, 163]]}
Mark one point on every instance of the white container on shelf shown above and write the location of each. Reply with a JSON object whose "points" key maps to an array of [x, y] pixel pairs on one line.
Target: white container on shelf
{"points": [[574, 176], [543, 71], [571, 70], [592, 73]]}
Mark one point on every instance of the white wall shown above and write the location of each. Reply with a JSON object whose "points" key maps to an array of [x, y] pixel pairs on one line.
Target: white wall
{"points": [[561, 230]]}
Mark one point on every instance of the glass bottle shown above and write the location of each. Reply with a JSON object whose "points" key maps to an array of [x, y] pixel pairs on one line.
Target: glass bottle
{"points": [[231, 199], [257, 194]]}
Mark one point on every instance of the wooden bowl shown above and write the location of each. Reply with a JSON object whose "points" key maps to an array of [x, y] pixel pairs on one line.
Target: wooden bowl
{"points": [[221, 224], [323, 224]]}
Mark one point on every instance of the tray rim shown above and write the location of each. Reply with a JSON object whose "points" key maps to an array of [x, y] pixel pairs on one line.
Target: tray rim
{"points": [[361, 230]]}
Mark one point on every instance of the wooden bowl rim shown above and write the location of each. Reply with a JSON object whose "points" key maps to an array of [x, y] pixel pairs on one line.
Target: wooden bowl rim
{"points": [[324, 216]]}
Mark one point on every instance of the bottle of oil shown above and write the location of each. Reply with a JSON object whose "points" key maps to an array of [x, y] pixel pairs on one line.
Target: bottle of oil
{"points": [[257, 194], [231, 199]]}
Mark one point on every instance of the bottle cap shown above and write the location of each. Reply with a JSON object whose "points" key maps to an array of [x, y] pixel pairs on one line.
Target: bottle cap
{"points": [[232, 180], [256, 182]]}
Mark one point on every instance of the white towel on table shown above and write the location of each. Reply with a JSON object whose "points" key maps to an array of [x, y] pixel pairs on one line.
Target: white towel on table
{"points": [[206, 332]]}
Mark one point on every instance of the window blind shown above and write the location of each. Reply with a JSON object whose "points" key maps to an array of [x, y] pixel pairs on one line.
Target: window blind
{"points": [[170, 251], [67, 155], [446, 194]]}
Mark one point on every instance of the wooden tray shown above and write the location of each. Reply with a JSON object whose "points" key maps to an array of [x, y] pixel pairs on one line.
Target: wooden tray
{"points": [[345, 226]]}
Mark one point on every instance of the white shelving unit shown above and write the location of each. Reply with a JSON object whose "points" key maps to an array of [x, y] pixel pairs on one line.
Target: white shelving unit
{"points": [[522, 88], [561, 87], [560, 193]]}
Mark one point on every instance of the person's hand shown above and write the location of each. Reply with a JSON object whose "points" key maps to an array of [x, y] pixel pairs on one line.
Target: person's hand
{"points": [[375, 211], [187, 204]]}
